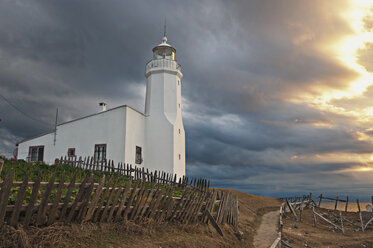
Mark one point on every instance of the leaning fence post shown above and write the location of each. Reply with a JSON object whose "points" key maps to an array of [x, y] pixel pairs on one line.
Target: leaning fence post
{"points": [[360, 217], [1, 167], [314, 216], [292, 210], [4, 194], [336, 203], [320, 198], [346, 204], [301, 208]]}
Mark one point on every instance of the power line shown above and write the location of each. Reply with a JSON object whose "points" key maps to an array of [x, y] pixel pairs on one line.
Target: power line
{"points": [[25, 114]]}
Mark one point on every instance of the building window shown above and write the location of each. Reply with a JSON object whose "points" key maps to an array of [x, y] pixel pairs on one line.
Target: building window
{"points": [[138, 159], [179, 105], [100, 152], [71, 152], [36, 153], [179, 156], [179, 130]]}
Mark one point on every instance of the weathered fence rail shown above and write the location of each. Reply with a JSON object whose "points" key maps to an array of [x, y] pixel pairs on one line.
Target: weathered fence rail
{"points": [[113, 199], [336, 221], [89, 163]]}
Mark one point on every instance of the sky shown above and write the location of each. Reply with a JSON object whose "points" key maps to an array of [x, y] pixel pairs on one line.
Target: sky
{"points": [[277, 95]]}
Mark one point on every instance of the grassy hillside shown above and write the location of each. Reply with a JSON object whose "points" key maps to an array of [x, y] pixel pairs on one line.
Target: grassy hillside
{"points": [[21, 168], [146, 233]]}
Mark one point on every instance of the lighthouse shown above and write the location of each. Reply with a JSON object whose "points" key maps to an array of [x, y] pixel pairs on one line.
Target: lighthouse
{"points": [[153, 139], [165, 135]]}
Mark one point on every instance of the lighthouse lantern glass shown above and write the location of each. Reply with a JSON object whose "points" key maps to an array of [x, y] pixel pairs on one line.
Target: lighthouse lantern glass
{"points": [[164, 53]]}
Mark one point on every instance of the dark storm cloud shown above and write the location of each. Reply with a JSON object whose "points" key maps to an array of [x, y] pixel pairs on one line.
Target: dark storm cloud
{"points": [[241, 61]]}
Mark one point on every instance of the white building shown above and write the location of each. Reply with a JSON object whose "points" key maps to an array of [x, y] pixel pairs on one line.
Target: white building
{"points": [[154, 139]]}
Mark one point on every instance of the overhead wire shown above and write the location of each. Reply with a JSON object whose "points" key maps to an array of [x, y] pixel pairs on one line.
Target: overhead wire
{"points": [[24, 113]]}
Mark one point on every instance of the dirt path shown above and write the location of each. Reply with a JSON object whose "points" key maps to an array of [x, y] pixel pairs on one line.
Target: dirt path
{"points": [[267, 232]]}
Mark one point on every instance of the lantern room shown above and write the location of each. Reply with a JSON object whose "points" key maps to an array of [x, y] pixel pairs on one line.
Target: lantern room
{"points": [[164, 51]]}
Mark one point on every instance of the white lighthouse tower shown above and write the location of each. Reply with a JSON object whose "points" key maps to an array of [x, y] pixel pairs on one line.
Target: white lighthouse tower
{"points": [[164, 130], [154, 140]]}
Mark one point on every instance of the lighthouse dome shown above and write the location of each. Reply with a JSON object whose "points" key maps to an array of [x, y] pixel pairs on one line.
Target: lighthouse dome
{"points": [[164, 51]]}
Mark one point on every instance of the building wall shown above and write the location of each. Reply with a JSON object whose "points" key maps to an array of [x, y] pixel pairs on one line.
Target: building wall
{"points": [[135, 136], [45, 140], [105, 128]]}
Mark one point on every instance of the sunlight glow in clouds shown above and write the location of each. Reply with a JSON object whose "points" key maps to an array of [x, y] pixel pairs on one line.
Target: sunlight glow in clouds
{"points": [[348, 48], [346, 51], [356, 169]]}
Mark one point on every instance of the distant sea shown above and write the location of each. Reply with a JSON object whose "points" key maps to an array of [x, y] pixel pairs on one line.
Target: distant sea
{"points": [[352, 206]]}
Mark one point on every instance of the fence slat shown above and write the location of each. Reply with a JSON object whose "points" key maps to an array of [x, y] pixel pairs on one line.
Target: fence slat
{"points": [[156, 204], [209, 196], [103, 198], [346, 204], [1, 167], [41, 217], [34, 194], [20, 197], [147, 201], [4, 194], [185, 205], [123, 200], [192, 207], [219, 213], [92, 205], [162, 204], [130, 200], [138, 200], [170, 204], [52, 213], [236, 211], [111, 195], [115, 201], [194, 216], [142, 201], [77, 199], [225, 208], [360, 217], [68, 196], [292, 210], [85, 200], [214, 223]]}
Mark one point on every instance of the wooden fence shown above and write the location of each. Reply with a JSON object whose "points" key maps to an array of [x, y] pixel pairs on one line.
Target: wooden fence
{"points": [[88, 163], [337, 221], [110, 200]]}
